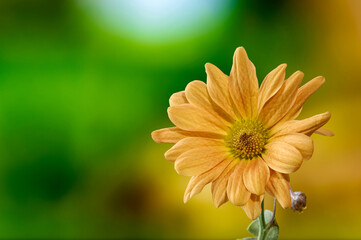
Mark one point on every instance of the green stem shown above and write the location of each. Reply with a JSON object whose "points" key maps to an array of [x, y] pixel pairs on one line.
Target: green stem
{"points": [[262, 224]]}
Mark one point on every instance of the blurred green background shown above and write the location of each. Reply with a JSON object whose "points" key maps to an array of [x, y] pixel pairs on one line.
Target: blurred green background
{"points": [[83, 84]]}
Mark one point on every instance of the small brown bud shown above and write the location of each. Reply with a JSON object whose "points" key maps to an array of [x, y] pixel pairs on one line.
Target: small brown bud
{"points": [[298, 201]]}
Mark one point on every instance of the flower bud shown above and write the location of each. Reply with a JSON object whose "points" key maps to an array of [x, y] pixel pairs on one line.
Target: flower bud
{"points": [[298, 202]]}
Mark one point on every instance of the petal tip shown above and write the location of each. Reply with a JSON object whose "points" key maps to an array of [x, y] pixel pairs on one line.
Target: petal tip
{"points": [[240, 51], [327, 115], [208, 65], [168, 156], [217, 204], [186, 198], [155, 137], [283, 65], [300, 73]]}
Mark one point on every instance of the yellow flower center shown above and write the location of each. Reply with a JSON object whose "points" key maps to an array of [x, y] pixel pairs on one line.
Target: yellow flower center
{"points": [[247, 138]]}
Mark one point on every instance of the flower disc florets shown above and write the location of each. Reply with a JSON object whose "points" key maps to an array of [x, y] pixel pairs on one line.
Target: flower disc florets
{"points": [[247, 138]]}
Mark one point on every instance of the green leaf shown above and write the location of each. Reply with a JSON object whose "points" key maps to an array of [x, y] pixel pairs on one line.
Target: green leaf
{"points": [[253, 228], [272, 233], [268, 216]]}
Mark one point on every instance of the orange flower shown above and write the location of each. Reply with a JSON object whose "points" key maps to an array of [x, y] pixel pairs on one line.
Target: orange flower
{"points": [[241, 138]]}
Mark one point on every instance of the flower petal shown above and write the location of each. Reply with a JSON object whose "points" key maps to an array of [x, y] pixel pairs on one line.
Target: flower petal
{"points": [[236, 98], [253, 206], [217, 85], [199, 160], [197, 94], [244, 84], [197, 183], [178, 98], [256, 175], [280, 103], [236, 191], [301, 142], [271, 84], [190, 143], [279, 187], [282, 157], [191, 118], [325, 132], [174, 134], [219, 186], [306, 126], [302, 95]]}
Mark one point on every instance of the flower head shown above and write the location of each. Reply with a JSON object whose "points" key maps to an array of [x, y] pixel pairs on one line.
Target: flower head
{"points": [[299, 202], [241, 138]]}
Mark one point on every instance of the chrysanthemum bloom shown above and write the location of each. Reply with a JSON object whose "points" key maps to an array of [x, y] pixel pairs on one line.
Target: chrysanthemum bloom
{"points": [[241, 138]]}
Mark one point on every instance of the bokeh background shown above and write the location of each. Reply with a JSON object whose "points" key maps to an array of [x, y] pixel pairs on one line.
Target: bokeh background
{"points": [[84, 83]]}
